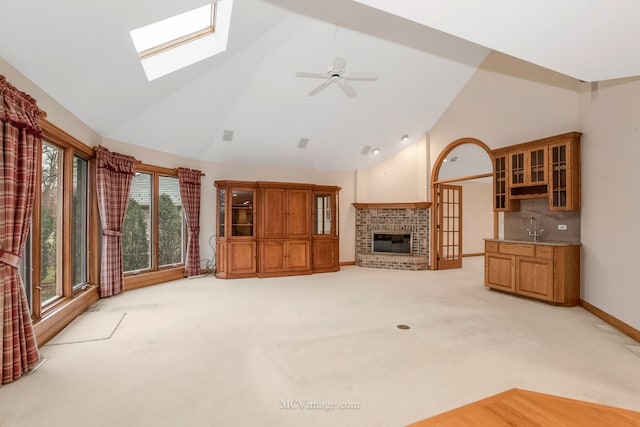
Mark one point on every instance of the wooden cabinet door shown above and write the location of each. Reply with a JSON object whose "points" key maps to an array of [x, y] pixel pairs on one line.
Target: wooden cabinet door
{"points": [[241, 257], [278, 257], [517, 169], [272, 256], [273, 213], [534, 278], [298, 214], [536, 163], [499, 271], [564, 176], [221, 258], [298, 255], [325, 255]]}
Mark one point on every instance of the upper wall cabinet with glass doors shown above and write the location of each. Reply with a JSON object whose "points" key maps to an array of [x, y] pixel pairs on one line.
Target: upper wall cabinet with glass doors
{"points": [[544, 168]]}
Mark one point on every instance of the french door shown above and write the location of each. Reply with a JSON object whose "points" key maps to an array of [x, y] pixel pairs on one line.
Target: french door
{"points": [[448, 226]]}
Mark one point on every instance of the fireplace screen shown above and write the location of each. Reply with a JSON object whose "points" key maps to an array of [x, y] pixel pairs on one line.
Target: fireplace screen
{"points": [[391, 243]]}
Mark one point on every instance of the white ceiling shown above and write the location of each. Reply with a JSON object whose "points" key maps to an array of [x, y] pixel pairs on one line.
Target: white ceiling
{"points": [[80, 53]]}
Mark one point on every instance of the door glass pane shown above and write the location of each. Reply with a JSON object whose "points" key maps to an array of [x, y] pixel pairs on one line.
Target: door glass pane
{"points": [[221, 208], [171, 229], [323, 214], [51, 224], [242, 213], [80, 221], [136, 231]]}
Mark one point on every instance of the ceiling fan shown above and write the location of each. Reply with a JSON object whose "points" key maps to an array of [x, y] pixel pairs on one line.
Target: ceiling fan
{"points": [[339, 76]]}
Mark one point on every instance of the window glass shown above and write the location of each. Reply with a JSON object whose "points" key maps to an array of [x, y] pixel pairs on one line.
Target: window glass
{"points": [[51, 224], [136, 231], [80, 221], [171, 230]]}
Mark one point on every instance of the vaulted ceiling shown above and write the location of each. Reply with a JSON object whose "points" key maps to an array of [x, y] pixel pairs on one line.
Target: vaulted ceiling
{"points": [[81, 54]]}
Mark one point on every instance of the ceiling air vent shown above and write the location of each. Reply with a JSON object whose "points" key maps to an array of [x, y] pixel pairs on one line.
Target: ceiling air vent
{"points": [[365, 150], [303, 143], [227, 135]]}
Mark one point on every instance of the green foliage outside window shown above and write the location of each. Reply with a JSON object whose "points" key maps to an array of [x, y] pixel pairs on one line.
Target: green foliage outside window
{"points": [[135, 244], [170, 229]]}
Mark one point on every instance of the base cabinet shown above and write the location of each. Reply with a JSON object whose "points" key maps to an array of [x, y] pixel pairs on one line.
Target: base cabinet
{"points": [[499, 271], [284, 257], [535, 278], [325, 255], [542, 271]]}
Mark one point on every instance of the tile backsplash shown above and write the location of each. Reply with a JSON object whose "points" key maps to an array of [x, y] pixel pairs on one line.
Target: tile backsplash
{"points": [[516, 223]]}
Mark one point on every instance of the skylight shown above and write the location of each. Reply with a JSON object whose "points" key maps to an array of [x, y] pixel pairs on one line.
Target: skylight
{"points": [[181, 40]]}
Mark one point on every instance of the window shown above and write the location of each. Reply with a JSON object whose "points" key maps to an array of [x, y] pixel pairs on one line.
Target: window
{"points": [[136, 231], [171, 230], [153, 234], [56, 265], [51, 223], [184, 39], [80, 223]]}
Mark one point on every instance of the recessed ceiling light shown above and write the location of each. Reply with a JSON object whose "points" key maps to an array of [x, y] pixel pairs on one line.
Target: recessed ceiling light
{"points": [[375, 151], [404, 138]]}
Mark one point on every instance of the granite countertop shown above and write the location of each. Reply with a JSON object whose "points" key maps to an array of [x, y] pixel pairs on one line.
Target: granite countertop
{"points": [[531, 242]]}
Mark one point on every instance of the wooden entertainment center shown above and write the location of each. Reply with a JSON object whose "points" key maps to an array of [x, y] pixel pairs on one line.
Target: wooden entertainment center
{"points": [[268, 229]]}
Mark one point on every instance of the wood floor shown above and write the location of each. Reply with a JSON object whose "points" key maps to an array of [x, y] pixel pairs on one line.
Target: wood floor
{"points": [[517, 407]]}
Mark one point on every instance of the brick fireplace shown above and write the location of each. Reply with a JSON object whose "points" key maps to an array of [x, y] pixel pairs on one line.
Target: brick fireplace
{"points": [[394, 218]]}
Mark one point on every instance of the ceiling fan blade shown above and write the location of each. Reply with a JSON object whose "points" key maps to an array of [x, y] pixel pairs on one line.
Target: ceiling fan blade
{"points": [[360, 76], [311, 75], [338, 64], [321, 87], [346, 88]]}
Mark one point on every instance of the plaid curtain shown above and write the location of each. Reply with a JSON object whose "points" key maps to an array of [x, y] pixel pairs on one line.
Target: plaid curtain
{"points": [[20, 135], [189, 181], [114, 173]]}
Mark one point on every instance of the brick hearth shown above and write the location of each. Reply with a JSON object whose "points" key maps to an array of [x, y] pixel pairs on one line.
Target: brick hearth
{"points": [[396, 217]]}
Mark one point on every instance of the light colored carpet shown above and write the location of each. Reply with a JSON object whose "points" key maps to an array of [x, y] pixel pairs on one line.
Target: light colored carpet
{"points": [[208, 352]]}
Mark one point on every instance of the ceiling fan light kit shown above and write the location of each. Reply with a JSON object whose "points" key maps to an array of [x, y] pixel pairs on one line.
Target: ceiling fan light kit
{"points": [[339, 76]]}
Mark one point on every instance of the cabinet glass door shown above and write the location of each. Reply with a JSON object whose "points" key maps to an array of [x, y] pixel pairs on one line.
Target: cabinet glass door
{"points": [[517, 168], [559, 175], [500, 183], [222, 194], [324, 214], [536, 167], [242, 203]]}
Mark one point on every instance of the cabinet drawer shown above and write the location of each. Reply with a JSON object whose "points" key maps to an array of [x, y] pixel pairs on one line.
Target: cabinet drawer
{"points": [[521, 249], [490, 246], [544, 252]]}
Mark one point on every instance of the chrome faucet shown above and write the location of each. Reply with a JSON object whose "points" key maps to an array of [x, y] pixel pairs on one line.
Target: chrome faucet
{"points": [[535, 233]]}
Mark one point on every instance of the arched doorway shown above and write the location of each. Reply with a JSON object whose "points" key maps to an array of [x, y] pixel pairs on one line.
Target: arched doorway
{"points": [[462, 162]]}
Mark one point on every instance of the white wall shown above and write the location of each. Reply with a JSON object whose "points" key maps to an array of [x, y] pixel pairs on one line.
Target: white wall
{"points": [[477, 215], [56, 113], [508, 101], [610, 216], [401, 178]]}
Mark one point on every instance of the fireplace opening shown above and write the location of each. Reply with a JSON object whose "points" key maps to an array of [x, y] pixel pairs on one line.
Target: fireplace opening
{"points": [[391, 243]]}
